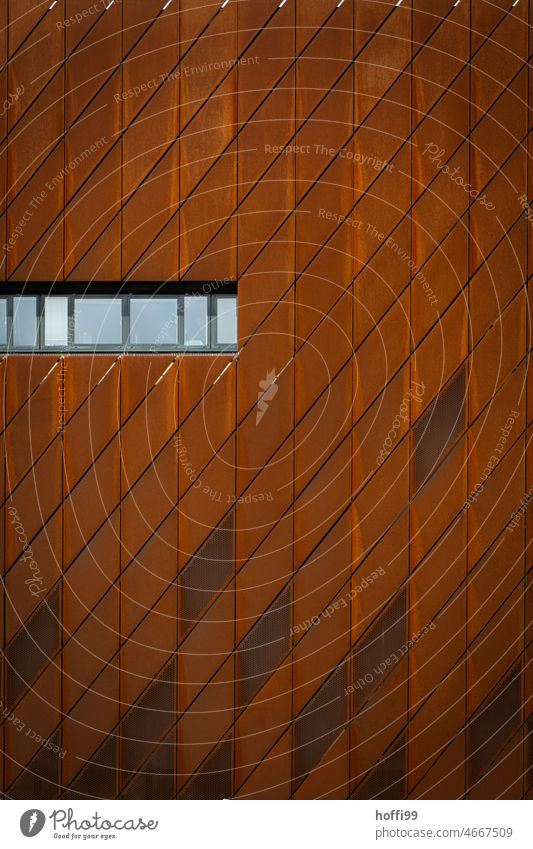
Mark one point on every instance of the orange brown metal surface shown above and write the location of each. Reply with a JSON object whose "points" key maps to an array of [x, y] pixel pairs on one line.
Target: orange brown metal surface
{"points": [[362, 171]]}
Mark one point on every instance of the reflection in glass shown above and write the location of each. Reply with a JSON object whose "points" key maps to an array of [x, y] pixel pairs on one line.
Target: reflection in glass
{"points": [[97, 321], [226, 317], [195, 321], [153, 321], [56, 321], [24, 322], [3, 322]]}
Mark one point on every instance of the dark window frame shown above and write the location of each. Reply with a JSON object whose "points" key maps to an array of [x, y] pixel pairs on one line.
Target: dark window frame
{"points": [[211, 291]]}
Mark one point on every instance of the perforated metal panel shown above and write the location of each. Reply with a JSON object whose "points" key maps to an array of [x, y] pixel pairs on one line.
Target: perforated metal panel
{"points": [[493, 725], [156, 779], [207, 572], [380, 650], [32, 647], [40, 779], [438, 428], [387, 780], [214, 780], [148, 720], [320, 722], [98, 780], [261, 651]]}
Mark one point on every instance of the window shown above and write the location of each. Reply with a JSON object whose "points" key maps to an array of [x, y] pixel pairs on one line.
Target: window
{"points": [[195, 322], [97, 321], [3, 322], [154, 321], [55, 322], [226, 320], [24, 322], [130, 322]]}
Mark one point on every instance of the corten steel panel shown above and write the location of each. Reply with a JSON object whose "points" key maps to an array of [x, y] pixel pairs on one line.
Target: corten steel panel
{"points": [[445, 779], [91, 426], [87, 651], [150, 150], [378, 576], [23, 594], [497, 353], [322, 170], [150, 427], [146, 578], [378, 723], [330, 778], [206, 648], [90, 721], [320, 651], [203, 508], [91, 575], [206, 721], [146, 505], [322, 577], [99, 487], [271, 779], [149, 647], [498, 280], [381, 502], [439, 502], [380, 281], [214, 418], [259, 725], [270, 512], [40, 710], [433, 729]]}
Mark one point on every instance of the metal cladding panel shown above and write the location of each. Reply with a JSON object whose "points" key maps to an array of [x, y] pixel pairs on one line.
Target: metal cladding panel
{"points": [[222, 538]]}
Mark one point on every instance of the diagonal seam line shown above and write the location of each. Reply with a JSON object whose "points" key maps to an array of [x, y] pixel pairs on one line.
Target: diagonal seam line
{"points": [[93, 462], [348, 140], [465, 725], [167, 660], [407, 724], [124, 130], [62, 65], [232, 140], [140, 476]]}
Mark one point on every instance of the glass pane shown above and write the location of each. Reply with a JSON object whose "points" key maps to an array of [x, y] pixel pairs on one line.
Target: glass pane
{"points": [[24, 322], [195, 322], [56, 321], [3, 322], [97, 321], [226, 312], [154, 321]]}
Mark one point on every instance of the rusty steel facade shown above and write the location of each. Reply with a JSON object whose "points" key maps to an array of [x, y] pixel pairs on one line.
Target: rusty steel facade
{"points": [[301, 571]]}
